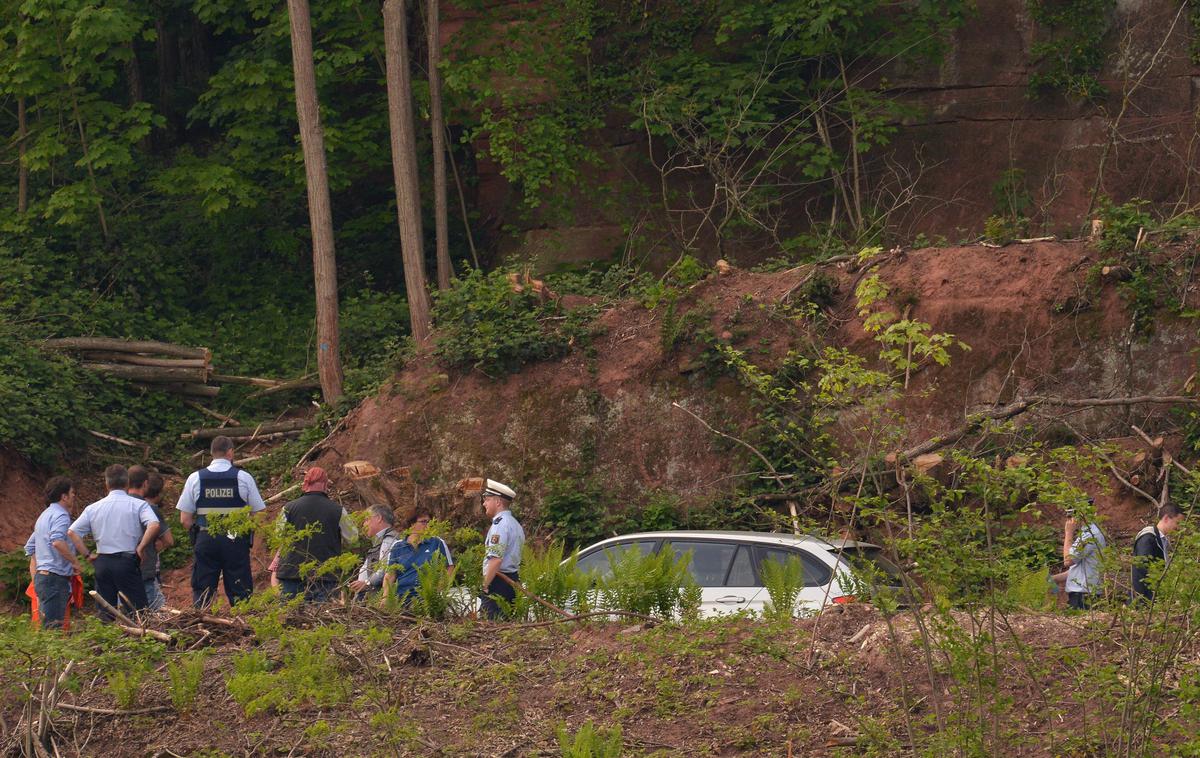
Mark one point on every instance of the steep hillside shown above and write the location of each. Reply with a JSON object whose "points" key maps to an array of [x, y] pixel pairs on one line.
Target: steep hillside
{"points": [[1038, 318]]}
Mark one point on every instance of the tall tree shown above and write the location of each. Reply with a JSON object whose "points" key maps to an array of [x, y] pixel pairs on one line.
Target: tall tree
{"points": [[404, 163], [438, 127], [329, 364], [22, 167]]}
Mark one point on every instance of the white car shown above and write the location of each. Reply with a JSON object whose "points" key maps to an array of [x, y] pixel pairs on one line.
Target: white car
{"points": [[726, 565]]}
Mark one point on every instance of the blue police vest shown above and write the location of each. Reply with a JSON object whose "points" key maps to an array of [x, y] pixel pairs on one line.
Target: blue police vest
{"points": [[219, 493]]}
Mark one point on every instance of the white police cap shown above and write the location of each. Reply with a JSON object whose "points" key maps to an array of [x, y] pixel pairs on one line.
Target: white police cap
{"points": [[499, 490]]}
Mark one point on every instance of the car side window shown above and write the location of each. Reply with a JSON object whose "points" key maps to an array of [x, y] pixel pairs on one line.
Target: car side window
{"points": [[599, 562], [816, 573], [709, 561], [741, 574]]}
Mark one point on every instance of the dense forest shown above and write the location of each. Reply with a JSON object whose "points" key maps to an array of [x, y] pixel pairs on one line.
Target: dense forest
{"points": [[157, 178]]}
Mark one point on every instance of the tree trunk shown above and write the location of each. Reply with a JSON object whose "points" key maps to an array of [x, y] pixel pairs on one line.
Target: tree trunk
{"points": [[22, 169], [329, 365], [438, 129], [404, 164]]}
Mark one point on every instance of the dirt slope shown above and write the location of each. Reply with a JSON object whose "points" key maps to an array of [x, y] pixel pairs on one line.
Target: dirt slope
{"points": [[1035, 317]]}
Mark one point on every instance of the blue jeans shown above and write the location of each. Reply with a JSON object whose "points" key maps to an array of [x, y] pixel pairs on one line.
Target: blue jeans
{"points": [[154, 597], [53, 594]]}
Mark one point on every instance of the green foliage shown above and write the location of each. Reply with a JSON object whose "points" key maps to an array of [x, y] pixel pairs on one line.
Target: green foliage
{"points": [[575, 510], [590, 742], [1122, 224], [184, 676], [783, 581], [306, 674], [124, 685], [548, 575], [14, 575], [907, 343], [484, 324], [649, 584], [1071, 59], [431, 597]]}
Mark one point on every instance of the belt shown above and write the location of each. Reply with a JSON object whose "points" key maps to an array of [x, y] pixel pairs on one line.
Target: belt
{"points": [[128, 554], [43, 572]]}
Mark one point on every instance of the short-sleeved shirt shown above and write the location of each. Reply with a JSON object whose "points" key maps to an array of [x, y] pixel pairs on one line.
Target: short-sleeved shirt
{"points": [[117, 521], [247, 488], [406, 558], [504, 540], [150, 562], [51, 527], [1083, 575]]}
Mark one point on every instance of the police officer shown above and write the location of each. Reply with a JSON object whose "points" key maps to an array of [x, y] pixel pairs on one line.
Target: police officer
{"points": [[220, 488], [502, 548], [117, 522]]}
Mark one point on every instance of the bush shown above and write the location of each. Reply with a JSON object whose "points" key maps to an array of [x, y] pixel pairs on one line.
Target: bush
{"points": [[576, 510], [482, 322]]}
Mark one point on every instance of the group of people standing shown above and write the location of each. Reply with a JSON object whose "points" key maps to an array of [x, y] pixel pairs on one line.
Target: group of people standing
{"points": [[128, 530], [1083, 547]]}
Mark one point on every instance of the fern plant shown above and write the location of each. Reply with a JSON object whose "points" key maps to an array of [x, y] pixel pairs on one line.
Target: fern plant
{"points": [[650, 584], [184, 677], [783, 581], [590, 742]]}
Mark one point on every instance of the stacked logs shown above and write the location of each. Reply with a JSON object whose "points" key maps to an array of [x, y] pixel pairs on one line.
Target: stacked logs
{"points": [[177, 369]]}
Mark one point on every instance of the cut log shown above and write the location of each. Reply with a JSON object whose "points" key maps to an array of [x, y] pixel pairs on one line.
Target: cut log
{"points": [[189, 389], [308, 382], [150, 374], [927, 462], [1116, 273], [128, 346], [254, 381], [210, 412], [394, 488], [249, 431], [137, 359]]}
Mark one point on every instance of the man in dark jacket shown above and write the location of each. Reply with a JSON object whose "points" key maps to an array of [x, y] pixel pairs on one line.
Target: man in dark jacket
{"points": [[326, 527], [1152, 545]]}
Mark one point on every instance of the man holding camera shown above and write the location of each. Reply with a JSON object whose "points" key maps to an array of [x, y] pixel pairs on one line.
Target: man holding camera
{"points": [[1081, 553]]}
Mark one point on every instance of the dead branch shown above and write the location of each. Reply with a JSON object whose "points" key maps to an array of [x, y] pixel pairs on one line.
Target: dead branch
{"points": [[144, 447], [279, 495], [248, 431], [210, 412], [1157, 445], [307, 382], [100, 601], [134, 359], [254, 381], [192, 389], [113, 711]]}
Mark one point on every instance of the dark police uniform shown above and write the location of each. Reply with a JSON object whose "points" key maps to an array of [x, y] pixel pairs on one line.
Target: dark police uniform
{"points": [[220, 488]]}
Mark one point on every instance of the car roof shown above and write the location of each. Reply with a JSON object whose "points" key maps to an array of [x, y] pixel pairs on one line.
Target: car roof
{"points": [[764, 538]]}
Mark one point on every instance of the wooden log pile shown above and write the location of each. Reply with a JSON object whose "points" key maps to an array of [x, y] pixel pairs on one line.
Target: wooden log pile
{"points": [[177, 369]]}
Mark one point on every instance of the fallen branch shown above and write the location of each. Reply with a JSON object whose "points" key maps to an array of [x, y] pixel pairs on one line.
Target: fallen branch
{"points": [[254, 381], [341, 422], [210, 412], [279, 495], [581, 616], [137, 631], [192, 389], [100, 601], [249, 431], [1112, 467], [126, 346], [1157, 445], [977, 420], [112, 711], [307, 382], [145, 448], [545, 603]]}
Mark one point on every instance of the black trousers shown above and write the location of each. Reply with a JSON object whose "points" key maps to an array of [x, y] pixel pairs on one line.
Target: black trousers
{"points": [[217, 557], [498, 588], [1080, 601], [120, 574]]}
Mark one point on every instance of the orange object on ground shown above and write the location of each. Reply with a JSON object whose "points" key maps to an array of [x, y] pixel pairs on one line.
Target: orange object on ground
{"points": [[76, 600]]}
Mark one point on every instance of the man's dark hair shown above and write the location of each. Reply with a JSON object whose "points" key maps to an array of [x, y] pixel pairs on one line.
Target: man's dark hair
{"points": [[138, 476], [386, 513], [116, 477], [154, 486], [56, 488], [220, 446], [417, 513], [1170, 510]]}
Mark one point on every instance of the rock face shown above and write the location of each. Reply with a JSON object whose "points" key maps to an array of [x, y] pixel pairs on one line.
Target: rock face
{"points": [[976, 120], [1037, 321]]}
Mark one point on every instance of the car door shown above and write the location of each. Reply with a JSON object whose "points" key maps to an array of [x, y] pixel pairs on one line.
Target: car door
{"points": [[816, 592], [725, 573]]}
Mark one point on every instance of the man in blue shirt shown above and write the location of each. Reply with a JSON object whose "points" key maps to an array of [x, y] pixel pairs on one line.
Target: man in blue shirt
{"points": [[410, 554], [52, 560], [123, 527], [502, 549], [219, 489]]}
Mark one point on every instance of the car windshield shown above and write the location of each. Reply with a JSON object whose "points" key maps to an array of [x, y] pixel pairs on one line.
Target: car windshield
{"points": [[871, 564]]}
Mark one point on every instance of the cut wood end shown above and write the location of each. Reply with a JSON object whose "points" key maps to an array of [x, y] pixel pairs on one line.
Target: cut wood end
{"points": [[928, 461], [472, 485], [361, 469]]}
